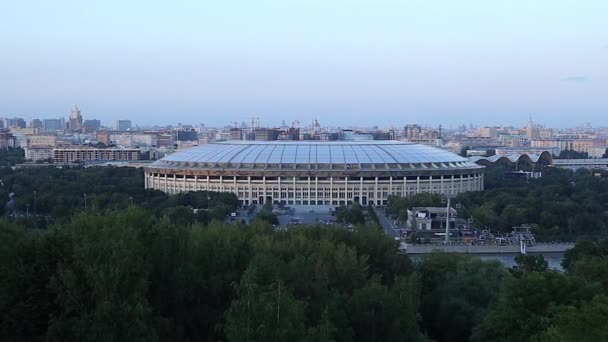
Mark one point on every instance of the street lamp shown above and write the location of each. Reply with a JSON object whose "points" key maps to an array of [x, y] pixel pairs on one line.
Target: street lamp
{"points": [[447, 198]]}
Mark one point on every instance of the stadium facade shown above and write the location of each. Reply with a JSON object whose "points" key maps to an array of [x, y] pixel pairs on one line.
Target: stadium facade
{"points": [[315, 172]]}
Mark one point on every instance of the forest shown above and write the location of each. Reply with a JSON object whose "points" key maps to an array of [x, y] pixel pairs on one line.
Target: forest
{"points": [[126, 274]]}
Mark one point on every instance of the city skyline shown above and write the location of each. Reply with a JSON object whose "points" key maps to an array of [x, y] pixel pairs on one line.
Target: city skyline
{"points": [[386, 63]]}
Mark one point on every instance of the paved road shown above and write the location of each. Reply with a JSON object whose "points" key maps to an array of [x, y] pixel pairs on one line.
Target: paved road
{"points": [[385, 223]]}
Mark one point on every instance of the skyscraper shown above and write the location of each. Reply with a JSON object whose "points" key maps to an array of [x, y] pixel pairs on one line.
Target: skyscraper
{"points": [[53, 124], [75, 119]]}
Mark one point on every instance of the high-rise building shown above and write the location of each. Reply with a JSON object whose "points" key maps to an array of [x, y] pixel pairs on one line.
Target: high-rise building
{"points": [[53, 124], [14, 123], [123, 125], [75, 122], [90, 126], [531, 130], [36, 123]]}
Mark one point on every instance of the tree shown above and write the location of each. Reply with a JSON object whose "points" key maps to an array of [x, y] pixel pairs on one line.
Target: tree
{"points": [[102, 285], [458, 291], [529, 263], [525, 307]]}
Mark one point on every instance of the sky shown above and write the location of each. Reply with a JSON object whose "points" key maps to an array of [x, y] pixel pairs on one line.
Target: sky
{"points": [[343, 62]]}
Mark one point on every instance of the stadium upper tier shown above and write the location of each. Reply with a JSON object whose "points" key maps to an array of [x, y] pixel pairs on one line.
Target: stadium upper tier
{"points": [[314, 155]]}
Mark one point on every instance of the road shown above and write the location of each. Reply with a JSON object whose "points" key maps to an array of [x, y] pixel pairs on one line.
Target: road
{"points": [[387, 226]]}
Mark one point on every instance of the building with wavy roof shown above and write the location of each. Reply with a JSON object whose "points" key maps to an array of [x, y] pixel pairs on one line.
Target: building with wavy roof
{"points": [[315, 172], [519, 160]]}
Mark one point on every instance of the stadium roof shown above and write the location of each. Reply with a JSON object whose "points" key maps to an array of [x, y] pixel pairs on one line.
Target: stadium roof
{"points": [[312, 152]]}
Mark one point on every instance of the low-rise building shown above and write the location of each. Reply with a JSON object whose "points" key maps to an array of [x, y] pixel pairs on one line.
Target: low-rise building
{"points": [[423, 219]]}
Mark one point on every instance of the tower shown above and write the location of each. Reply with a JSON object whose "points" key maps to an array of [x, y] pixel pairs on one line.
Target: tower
{"points": [[75, 119]]}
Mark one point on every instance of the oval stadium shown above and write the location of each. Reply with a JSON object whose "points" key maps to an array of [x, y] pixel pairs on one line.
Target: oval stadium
{"points": [[315, 172]]}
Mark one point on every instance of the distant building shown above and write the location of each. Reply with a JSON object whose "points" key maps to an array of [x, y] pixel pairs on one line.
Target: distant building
{"points": [[36, 123], [579, 145], [103, 137], [6, 139], [75, 123], [90, 126], [164, 140], [53, 124], [236, 134], [38, 153], [350, 135], [132, 139], [123, 125], [14, 123], [42, 140], [87, 154], [488, 132], [412, 132], [186, 135], [265, 134]]}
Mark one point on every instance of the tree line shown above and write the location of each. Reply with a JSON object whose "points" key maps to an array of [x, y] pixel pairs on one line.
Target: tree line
{"points": [[126, 274]]}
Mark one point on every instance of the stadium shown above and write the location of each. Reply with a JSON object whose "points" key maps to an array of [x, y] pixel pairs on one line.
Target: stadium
{"points": [[315, 172]]}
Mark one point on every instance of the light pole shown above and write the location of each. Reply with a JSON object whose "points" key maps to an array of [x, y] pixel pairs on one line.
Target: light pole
{"points": [[85, 200], [447, 219], [447, 223]]}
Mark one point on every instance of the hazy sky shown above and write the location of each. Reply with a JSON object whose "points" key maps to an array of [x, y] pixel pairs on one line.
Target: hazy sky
{"points": [[344, 62]]}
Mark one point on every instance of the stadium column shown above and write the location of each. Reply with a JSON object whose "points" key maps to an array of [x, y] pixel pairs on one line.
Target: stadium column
{"points": [[221, 183], [185, 184], [361, 191], [346, 190], [146, 180], [264, 193], [279, 186], [308, 191], [331, 190], [376, 197], [165, 182], [404, 192], [173, 184], [294, 190], [249, 194], [417, 184], [390, 186]]}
